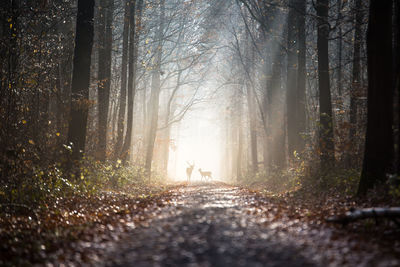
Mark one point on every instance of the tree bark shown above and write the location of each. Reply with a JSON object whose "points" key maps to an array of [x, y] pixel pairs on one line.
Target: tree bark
{"points": [[276, 123], [251, 106], [326, 141], [81, 79], [397, 65], [124, 70], [301, 74], [378, 155], [291, 98], [104, 73], [253, 128], [135, 19], [339, 48], [356, 76]]}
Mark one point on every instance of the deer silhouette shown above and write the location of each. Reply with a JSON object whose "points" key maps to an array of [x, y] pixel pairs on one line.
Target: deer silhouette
{"points": [[205, 174], [189, 170]]}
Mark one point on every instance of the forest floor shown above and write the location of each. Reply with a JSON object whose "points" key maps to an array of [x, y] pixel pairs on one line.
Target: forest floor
{"points": [[211, 224]]}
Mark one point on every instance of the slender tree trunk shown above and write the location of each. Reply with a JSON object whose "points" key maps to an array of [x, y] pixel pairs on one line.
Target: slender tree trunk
{"points": [[104, 73], [356, 77], [276, 121], [378, 155], [301, 74], [239, 174], [265, 110], [291, 99], [326, 141], [81, 79], [253, 128], [124, 70], [397, 65], [135, 19], [239, 132], [155, 92], [339, 48], [251, 106]]}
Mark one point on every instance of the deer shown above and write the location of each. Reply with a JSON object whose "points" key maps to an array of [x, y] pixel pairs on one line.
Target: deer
{"points": [[205, 174], [189, 170]]}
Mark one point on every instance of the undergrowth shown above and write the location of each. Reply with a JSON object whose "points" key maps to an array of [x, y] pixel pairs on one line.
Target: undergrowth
{"points": [[35, 185], [340, 181]]}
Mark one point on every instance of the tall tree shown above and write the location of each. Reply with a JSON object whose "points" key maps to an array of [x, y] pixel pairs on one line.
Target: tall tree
{"points": [[81, 79], [301, 6], [155, 91], [251, 103], [104, 73], [326, 141], [291, 98], [378, 155], [124, 71], [356, 73], [397, 73], [339, 47], [135, 25], [253, 126]]}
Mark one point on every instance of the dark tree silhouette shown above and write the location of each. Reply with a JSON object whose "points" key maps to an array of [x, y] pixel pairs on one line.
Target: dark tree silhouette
{"points": [[291, 97], [135, 22], [397, 73], [301, 73], [81, 78], [124, 71], [104, 73], [378, 154], [356, 74], [326, 141]]}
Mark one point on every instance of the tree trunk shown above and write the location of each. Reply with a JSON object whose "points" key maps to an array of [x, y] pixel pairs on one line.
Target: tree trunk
{"points": [[291, 98], [251, 106], [378, 154], [276, 122], [339, 47], [124, 70], [104, 73], [253, 128], [326, 141], [356, 78], [239, 158], [301, 74], [133, 51], [80, 80], [237, 130], [397, 65], [155, 92]]}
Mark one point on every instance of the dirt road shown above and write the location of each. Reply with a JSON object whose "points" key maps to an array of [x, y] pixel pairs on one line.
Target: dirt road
{"points": [[221, 225], [209, 225]]}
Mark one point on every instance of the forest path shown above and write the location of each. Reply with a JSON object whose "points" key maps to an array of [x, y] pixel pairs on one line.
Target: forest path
{"points": [[212, 225]]}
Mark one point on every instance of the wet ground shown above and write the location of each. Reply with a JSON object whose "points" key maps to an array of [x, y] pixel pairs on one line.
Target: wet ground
{"points": [[221, 225], [209, 225]]}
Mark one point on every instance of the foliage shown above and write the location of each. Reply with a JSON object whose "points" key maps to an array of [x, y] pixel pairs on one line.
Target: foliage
{"points": [[339, 180], [46, 211]]}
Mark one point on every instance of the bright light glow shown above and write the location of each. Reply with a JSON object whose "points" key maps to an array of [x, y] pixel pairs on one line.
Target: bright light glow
{"points": [[198, 142]]}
